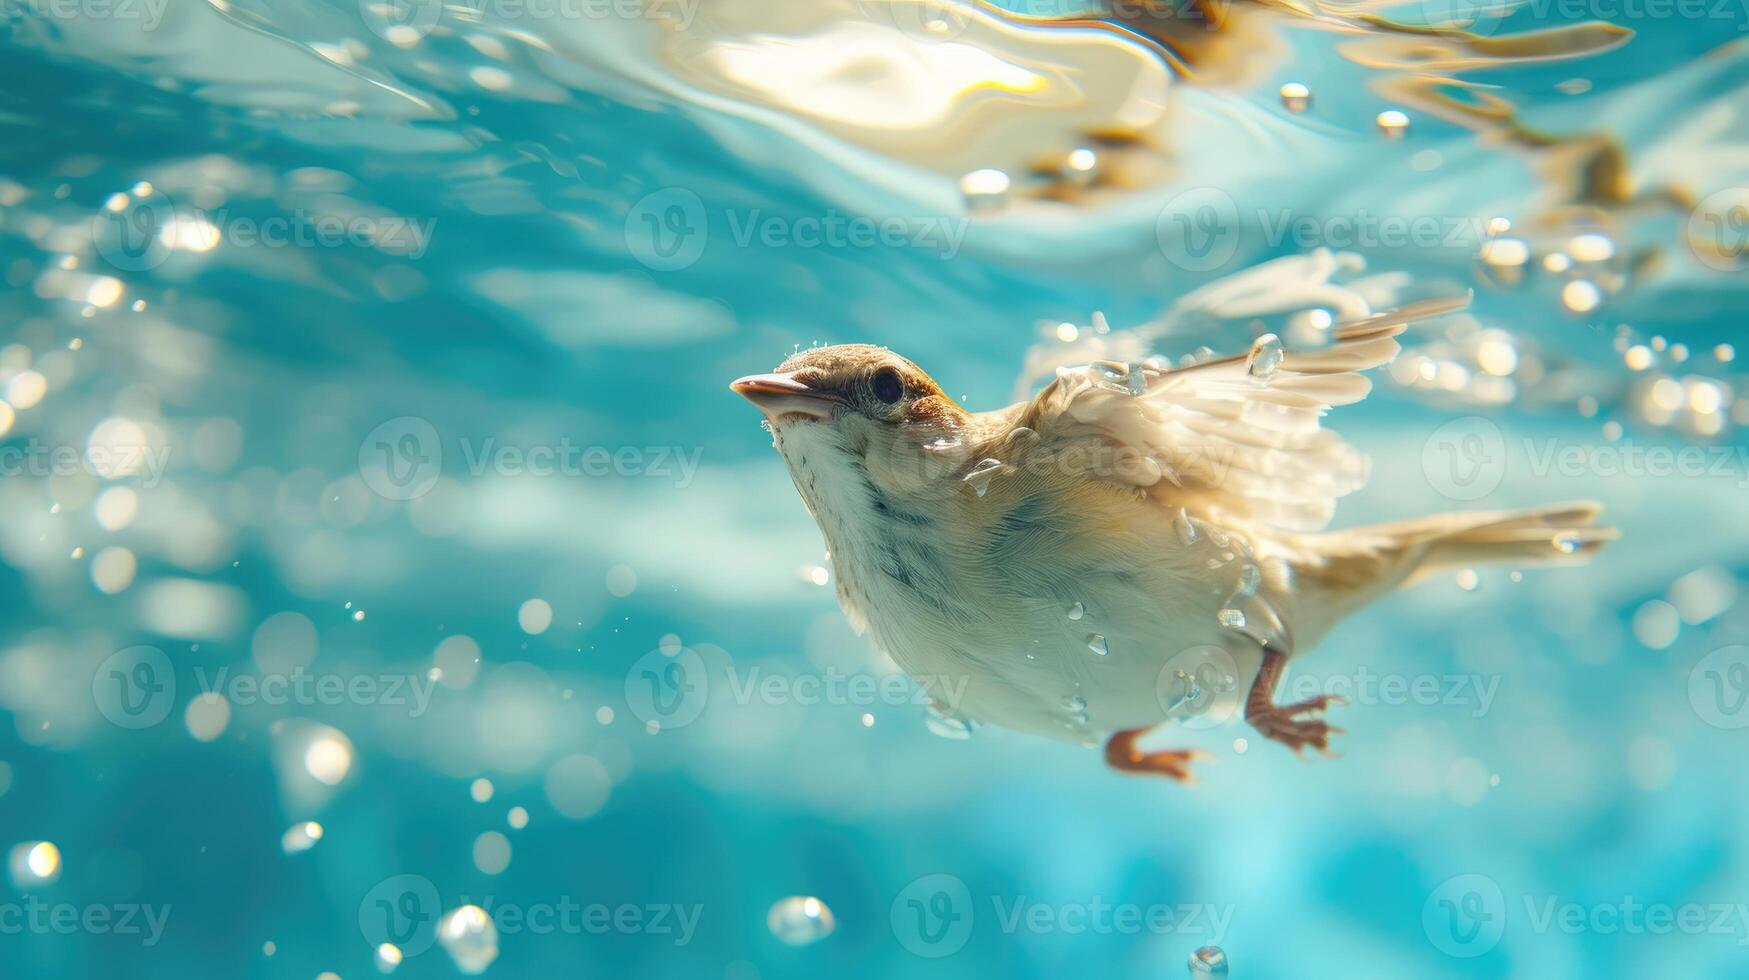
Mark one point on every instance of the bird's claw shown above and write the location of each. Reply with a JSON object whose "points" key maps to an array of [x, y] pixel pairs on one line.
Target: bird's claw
{"points": [[1288, 723], [1121, 754], [1311, 705], [1293, 732]]}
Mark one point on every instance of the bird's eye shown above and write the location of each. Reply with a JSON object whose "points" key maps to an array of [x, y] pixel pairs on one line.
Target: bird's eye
{"points": [[887, 385]]}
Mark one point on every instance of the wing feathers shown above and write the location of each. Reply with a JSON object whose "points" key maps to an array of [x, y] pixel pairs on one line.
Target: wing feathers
{"points": [[1240, 435]]}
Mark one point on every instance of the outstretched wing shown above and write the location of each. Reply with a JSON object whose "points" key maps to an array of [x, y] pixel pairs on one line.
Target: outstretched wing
{"points": [[1238, 435]]}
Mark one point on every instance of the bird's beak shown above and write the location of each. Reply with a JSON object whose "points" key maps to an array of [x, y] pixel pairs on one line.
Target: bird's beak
{"points": [[778, 395]]}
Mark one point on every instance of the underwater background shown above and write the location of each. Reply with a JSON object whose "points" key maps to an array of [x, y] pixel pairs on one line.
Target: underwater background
{"points": [[390, 583]]}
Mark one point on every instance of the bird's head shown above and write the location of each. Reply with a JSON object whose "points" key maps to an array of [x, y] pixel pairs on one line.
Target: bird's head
{"points": [[858, 407]]}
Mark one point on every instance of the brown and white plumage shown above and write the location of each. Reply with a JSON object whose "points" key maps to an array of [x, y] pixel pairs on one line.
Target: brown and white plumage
{"points": [[1059, 556]]}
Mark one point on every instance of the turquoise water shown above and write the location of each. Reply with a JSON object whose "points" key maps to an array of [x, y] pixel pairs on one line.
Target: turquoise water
{"points": [[369, 463]]}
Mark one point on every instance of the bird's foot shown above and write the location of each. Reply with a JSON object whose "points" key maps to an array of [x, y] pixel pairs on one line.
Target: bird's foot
{"points": [[1122, 754], [1288, 723], [1284, 724]]}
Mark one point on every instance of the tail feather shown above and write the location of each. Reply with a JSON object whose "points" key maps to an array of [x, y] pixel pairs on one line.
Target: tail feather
{"points": [[1555, 534], [1341, 571]]}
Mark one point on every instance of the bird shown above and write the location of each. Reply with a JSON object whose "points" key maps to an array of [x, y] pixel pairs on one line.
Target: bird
{"points": [[1135, 544]]}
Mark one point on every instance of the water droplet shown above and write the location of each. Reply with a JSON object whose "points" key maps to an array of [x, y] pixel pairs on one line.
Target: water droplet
{"points": [[1096, 643], [301, 837], [1208, 963], [1265, 357], [1138, 379], [33, 863], [985, 189], [1080, 167], [1250, 577], [1296, 97], [1581, 296], [980, 476], [1393, 123], [1231, 618], [1185, 525], [800, 920], [1468, 580], [470, 938], [1077, 610], [1075, 703], [942, 444], [1567, 544], [947, 726]]}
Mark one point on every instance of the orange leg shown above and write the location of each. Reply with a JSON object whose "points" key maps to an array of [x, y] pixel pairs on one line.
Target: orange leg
{"points": [[1284, 723], [1121, 754]]}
